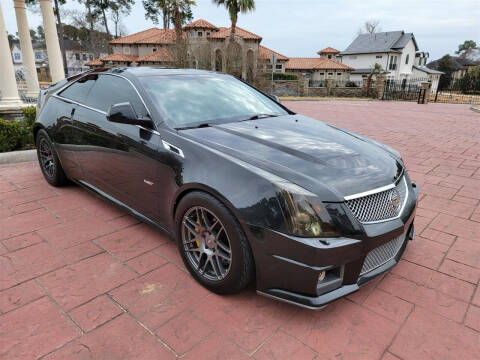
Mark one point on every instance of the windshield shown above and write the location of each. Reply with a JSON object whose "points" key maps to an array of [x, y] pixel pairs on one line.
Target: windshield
{"points": [[188, 100]]}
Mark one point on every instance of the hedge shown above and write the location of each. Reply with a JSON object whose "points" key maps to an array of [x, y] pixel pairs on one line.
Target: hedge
{"points": [[16, 135], [284, 76]]}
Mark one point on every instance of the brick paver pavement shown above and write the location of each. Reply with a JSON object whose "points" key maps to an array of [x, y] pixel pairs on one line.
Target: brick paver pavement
{"points": [[79, 279]]}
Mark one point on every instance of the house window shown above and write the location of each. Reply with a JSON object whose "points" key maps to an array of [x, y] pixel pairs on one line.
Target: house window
{"points": [[378, 56], [38, 55], [269, 66], [16, 56], [77, 56], [364, 76], [322, 74], [329, 56], [278, 66], [407, 58], [353, 57], [393, 63], [208, 34], [154, 49], [200, 33], [90, 57], [84, 56], [339, 74]]}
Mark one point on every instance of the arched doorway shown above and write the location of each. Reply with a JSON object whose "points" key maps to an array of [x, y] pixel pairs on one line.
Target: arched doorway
{"points": [[218, 60]]}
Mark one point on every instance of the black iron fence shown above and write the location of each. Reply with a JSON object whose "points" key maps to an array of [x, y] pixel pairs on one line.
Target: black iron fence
{"points": [[405, 89], [460, 91]]}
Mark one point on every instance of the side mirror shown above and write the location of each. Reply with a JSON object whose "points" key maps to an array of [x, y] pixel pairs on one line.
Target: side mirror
{"points": [[275, 97], [124, 113]]}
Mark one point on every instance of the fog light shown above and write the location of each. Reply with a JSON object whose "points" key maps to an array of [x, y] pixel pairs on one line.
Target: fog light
{"points": [[321, 276], [329, 279]]}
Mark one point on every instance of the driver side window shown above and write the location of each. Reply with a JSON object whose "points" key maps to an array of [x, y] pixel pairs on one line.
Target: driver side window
{"points": [[109, 90]]}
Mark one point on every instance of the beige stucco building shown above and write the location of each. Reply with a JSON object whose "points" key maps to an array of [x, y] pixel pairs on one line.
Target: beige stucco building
{"points": [[208, 47]]}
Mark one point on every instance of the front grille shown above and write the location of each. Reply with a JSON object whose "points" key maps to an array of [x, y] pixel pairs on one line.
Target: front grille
{"points": [[382, 254], [383, 205]]}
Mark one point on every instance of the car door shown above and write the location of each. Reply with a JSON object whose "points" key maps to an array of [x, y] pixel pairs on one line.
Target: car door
{"points": [[66, 135], [118, 159]]}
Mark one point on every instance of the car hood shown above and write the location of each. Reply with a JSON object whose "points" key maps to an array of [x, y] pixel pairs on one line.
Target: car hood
{"points": [[328, 161]]}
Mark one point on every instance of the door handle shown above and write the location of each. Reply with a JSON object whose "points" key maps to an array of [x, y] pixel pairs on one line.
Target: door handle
{"points": [[70, 120]]}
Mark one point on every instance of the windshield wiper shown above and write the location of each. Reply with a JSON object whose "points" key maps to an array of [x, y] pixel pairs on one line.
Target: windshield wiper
{"points": [[202, 125], [260, 116]]}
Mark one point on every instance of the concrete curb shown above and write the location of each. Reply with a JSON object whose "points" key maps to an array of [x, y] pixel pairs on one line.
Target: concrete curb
{"points": [[13, 157]]}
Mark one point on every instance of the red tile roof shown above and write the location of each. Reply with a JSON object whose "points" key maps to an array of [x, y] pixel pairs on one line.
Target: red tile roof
{"points": [[150, 36], [328, 50], [119, 58], [162, 55], [315, 63], [223, 33], [94, 62], [200, 24], [265, 53]]}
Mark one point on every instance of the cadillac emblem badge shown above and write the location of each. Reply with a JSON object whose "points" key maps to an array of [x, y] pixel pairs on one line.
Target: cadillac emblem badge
{"points": [[394, 200]]}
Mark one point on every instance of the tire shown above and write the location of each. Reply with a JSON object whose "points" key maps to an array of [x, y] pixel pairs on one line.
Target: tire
{"points": [[48, 160], [240, 270]]}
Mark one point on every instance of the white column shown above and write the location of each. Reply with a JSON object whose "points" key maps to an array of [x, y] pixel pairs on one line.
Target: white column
{"points": [[55, 61], [8, 85], [29, 67]]}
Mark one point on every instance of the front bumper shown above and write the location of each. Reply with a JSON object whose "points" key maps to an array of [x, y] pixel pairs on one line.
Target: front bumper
{"points": [[288, 267]]}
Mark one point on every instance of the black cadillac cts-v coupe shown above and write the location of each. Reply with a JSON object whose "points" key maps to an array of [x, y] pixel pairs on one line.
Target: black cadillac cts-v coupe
{"points": [[248, 189]]}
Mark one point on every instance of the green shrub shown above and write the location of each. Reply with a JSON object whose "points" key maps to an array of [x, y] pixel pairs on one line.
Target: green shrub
{"points": [[29, 114], [14, 135], [284, 76]]}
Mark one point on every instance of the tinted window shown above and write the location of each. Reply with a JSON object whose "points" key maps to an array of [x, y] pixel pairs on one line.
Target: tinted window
{"points": [[78, 91], [187, 100], [109, 90]]}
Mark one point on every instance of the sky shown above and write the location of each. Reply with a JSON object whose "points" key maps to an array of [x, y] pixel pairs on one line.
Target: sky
{"points": [[299, 28]]}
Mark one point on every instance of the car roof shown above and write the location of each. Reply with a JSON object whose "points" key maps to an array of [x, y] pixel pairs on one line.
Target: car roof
{"points": [[142, 71]]}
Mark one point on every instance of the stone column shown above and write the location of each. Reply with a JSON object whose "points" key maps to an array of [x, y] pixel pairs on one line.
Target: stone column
{"points": [[244, 64], [380, 86], [329, 86], [426, 88], [55, 61], [28, 60], [8, 85]]}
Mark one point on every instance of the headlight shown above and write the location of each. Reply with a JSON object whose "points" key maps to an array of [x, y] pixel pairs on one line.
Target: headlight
{"points": [[302, 214]]}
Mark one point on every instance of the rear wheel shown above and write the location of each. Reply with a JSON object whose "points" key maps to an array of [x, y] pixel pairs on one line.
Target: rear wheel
{"points": [[48, 160], [212, 244]]}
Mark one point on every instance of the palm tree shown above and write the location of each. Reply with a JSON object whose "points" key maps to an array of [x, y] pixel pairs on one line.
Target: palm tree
{"points": [[181, 9], [235, 7]]}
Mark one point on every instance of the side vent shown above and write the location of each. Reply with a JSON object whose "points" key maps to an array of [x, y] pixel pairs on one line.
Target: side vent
{"points": [[173, 149]]}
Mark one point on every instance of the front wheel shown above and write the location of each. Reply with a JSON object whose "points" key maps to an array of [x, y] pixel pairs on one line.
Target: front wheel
{"points": [[212, 244]]}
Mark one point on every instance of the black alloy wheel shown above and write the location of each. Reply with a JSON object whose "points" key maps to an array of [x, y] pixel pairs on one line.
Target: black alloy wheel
{"points": [[206, 243], [48, 160], [212, 243]]}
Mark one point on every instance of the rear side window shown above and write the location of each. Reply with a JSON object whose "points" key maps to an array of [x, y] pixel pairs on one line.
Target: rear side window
{"points": [[78, 91], [109, 90]]}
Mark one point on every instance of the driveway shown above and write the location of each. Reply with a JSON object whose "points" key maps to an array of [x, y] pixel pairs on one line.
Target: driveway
{"points": [[79, 279]]}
